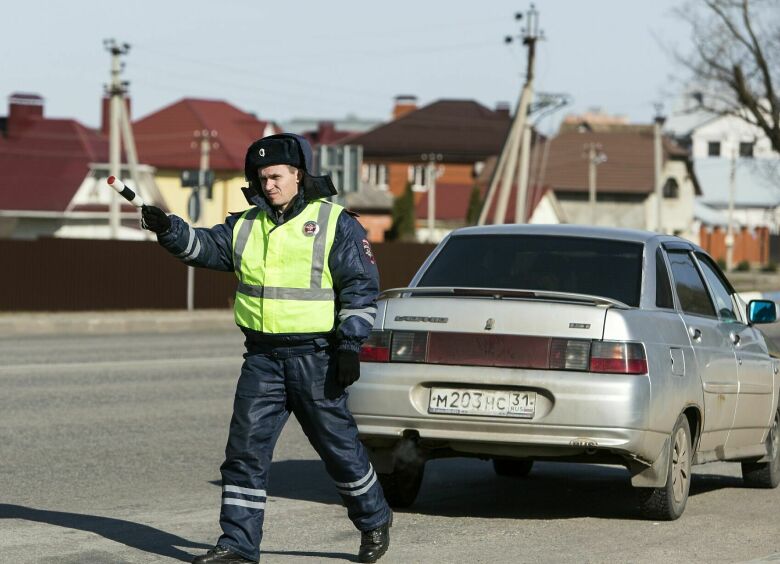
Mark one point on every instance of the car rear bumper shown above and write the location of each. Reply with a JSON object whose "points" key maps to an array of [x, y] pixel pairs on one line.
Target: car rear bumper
{"points": [[576, 412]]}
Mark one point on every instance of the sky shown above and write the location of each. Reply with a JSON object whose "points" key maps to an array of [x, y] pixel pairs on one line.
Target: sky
{"points": [[316, 59]]}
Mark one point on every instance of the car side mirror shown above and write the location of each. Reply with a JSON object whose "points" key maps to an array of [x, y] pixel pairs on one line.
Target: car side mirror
{"points": [[762, 311]]}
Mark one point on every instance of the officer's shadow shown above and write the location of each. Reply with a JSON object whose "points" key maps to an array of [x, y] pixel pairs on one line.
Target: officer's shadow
{"points": [[134, 535]]}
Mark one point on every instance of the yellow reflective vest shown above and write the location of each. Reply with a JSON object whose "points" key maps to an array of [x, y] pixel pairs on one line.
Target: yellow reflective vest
{"points": [[284, 282]]}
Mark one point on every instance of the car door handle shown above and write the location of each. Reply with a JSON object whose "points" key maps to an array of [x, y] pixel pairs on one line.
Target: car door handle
{"points": [[695, 333], [735, 338]]}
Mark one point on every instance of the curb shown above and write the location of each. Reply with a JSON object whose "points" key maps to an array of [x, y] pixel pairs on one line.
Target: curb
{"points": [[114, 322]]}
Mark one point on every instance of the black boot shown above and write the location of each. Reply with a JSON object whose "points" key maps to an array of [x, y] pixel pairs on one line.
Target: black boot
{"points": [[221, 555], [374, 543]]}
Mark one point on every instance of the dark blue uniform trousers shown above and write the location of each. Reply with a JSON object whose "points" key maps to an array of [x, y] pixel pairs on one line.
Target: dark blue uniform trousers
{"points": [[273, 382]]}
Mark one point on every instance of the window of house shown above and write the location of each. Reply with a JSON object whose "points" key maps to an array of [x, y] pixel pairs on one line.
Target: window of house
{"points": [[713, 149], [375, 175], [746, 149], [671, 188], [418, 177]]}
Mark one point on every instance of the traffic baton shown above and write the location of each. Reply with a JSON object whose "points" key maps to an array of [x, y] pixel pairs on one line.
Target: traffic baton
{"points": [[125, 192]]}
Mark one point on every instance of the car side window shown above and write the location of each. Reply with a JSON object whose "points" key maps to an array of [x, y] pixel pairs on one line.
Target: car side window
{"points": [[663, 288], [689, 285], [723, 301]]}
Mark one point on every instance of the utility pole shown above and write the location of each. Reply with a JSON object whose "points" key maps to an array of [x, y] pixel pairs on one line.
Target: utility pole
{"points": [[659, 180], [518, 140], [195, 202], [205, 180], [431, 172], [116, 91], [595, 157], [730, 228]]}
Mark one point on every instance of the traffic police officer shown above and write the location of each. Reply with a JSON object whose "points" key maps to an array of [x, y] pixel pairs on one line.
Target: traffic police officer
{"points": [[306, 300]]}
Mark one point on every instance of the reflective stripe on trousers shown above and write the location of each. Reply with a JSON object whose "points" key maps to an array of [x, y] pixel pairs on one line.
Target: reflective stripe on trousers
{"points": [[301, 378]]}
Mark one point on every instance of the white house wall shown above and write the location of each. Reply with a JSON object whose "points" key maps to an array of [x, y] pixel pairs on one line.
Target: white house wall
{"points": [[545, 212], [676, 213], [730, 131], [608, 213]]}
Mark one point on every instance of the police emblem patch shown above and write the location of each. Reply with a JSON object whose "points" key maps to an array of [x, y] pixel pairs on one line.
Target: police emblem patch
{"points": [[311, 228], [368, 251]]}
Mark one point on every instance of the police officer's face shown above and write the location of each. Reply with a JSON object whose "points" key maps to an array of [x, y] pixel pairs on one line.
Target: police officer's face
{"points": [[280, 184]]}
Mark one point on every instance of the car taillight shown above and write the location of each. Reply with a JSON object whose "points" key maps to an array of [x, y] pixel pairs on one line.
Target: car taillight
{"points": [[618, 358], [377, 347], [409, 346], [569, 354]]}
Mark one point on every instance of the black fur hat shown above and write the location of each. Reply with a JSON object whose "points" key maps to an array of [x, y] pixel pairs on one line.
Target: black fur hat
{"points": [[289, 149]]}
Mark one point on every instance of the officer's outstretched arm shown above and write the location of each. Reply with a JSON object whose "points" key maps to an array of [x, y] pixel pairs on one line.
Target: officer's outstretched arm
{"points": [[197, 246], [356, 282]]}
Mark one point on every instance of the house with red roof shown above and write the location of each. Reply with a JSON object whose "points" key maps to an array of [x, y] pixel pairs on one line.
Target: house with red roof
{"points": [[171, 140], [52, 177]]}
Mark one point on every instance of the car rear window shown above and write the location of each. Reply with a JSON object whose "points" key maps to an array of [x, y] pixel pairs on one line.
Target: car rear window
{"points": [[599, 267]]}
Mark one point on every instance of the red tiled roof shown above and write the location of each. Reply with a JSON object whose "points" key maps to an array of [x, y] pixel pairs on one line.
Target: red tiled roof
{"points": [[44, 162], [165, 138]]}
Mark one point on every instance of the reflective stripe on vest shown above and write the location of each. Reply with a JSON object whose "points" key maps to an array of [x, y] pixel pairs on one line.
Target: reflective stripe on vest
{"points": [[285, 285]]}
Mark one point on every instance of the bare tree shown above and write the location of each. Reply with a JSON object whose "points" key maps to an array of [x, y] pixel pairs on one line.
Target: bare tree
{"points": [[735, 60]]}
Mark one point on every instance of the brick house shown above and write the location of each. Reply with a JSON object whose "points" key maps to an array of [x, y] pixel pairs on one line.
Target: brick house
{"points": [[462, 134]]}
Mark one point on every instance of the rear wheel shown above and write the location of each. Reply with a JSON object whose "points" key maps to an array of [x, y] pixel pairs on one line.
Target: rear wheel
{"points": [[512, 467], [766, 474], [668, 502], [402, 485]]}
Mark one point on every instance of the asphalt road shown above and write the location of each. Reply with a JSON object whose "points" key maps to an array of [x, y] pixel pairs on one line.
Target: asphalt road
{"points": [[110, 448]]}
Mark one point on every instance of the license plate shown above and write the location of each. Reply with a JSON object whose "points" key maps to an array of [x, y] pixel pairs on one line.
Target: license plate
{"points": [[494, 403]]}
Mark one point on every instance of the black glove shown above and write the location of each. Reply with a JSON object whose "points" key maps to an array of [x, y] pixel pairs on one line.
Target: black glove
{"points": [[348, 368], [154, 219]]}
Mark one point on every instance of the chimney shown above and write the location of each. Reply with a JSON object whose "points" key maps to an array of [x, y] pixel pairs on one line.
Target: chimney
{"points": [[105, 113], [404, 103], [502, 109], [22, 109], [325, 131]]}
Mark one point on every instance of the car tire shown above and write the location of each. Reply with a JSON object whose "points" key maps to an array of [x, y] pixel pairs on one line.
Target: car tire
{"points": [[668, 502], [402, 485], [514, 468], [766, 474]]}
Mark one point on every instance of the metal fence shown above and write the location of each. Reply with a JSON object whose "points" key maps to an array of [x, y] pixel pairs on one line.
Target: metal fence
{"points": [[81, 275]]}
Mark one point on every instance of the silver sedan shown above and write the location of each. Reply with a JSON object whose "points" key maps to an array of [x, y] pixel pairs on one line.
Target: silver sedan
{"points": [[595, 345]]}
